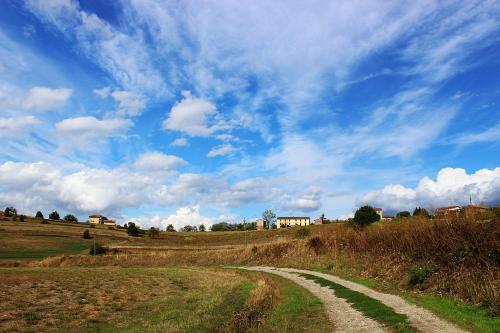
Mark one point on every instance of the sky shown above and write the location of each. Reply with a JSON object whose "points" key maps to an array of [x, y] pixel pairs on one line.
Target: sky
{"points": [[190, 112]]}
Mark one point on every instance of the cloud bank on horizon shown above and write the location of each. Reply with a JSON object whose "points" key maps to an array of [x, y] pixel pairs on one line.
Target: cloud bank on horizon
{"points": [[164, 112]]}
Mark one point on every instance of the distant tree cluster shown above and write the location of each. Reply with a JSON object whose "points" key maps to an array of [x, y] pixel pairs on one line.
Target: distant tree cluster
{"points": [[365, 215], [170, 228], [224, 226], [54, 215], [70, 218], [153, 232], [189, 228], [10, 212], [132, 230], [421, 212]]}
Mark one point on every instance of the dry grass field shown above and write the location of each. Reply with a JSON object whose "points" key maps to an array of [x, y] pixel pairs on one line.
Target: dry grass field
{"points": [[450, 267]]}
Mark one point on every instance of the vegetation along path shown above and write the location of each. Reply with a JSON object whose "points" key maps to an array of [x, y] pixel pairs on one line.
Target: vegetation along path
{"points": [[355, 308]]}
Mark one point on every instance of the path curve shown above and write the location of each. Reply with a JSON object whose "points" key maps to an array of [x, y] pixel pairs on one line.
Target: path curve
{"points": [[422, 319]]}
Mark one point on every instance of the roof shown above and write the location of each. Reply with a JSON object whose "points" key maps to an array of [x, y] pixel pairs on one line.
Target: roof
{"points": [[448, 207], [95, 216], [293, 217], [378, 209], [387, 217], [475, 206]]}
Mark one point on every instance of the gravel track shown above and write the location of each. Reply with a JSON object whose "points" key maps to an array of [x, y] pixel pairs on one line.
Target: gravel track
{"points": [[347, 319]]}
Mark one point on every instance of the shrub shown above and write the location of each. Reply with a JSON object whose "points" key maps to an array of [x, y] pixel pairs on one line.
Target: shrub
{"points": [[254, 249], [365, 215], [97, 249], [316, 244], [302, 232], [70, 218], [10, 211], [22, 218], [402, 215], [153, 232], [86, 234], [132, 230], [54, 215], [418, 274], [39, 215], [92, 226], [170, 228], [111, 228]]}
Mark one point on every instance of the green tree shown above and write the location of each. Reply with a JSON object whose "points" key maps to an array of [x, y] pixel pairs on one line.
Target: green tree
{"points": [[86, 234], [421, 212], [153, 232], [365, 216], [202, 228], [170, 228], [269, 219], [10, 211], [22, 218], [402, 215], [39, 215], [132, 230], [190, 228], [70, 218], [54, 215]]}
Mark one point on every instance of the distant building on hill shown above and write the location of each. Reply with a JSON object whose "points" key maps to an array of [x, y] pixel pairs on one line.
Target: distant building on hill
{"points": [[387, 218], [110, 222], [446, 212], [321, 220], [380, 212], [291, 221], [97, 219], [260, 224], [474, 211]]}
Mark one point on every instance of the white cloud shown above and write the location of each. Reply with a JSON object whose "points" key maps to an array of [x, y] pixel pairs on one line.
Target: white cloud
{"points": [[129, 103], [223, 150], [85, 132], [189, 215], [452, 186], [102, 92], [180, 142], [43, 98], [157, 163], [192, 116], [491, 134], [307, 202], [15, 127]]}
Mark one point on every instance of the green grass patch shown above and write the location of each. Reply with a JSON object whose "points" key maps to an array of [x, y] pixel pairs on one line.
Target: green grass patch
{"points": [[297, 311], [53, 248], [367, 305]]}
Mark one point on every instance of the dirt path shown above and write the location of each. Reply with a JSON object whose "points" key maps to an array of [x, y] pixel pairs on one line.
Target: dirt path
{"points": [[347, 319]]}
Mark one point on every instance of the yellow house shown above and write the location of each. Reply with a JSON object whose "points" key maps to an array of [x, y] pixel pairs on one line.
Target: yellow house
{"points": [[110, 223], [96, 219], [291, 221]]}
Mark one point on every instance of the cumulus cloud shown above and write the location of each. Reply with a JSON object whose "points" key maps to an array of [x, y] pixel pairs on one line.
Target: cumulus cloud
{"points": [[16, 126], [452, 186], [221, 150], [188, 215], [157, 163], [180, 142], [129, 103], [43, 98], [84, 130], [43, 186], [193, 116]]}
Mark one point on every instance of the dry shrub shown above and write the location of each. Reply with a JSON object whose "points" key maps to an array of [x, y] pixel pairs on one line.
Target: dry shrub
{"points": [[257, 306]]}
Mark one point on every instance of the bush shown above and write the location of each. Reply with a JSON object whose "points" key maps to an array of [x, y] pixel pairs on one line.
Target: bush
{"points": [[302, 232], [170, 228], [39, 215], [22, 218], [10, 211], [111, 228], [254, 249], [86, 234], [418, 274], [153, 232], [70, 218], [54, 215], [97, 249], [365, 215], [132, 230], [92, 226], [316, 244]]}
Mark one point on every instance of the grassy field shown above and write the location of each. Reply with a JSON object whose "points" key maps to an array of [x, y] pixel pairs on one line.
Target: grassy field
{"points": [[194, 299], [449, 267]]}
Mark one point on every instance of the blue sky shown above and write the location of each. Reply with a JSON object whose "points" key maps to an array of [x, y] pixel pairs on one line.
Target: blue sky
{"points": [[200, 111]]}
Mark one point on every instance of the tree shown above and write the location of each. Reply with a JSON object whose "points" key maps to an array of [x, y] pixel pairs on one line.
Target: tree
{"points": [[39, 215], [10, 211], [86, 234], [132, 230], [402, 215], [54, 215], [22, 218], [269, 219], [365, 215], [421, 212], [153, 232], [202, 228], [170, 228], [70, 218], [190, 228]]}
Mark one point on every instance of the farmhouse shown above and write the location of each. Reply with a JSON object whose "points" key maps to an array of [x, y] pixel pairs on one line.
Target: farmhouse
{"points": [[291, 221], [448, 211], [387, 218], [379, 211], [97, 219], [110, 222], [474, 211]]}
